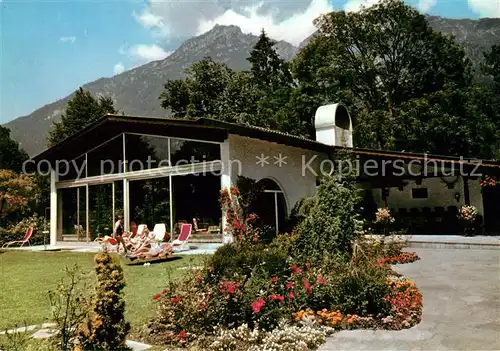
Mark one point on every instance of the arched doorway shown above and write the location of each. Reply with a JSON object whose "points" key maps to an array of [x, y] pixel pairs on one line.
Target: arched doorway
{"points": [[270, 206]]}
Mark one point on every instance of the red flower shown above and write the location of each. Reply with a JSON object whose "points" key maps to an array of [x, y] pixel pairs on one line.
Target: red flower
{"points": [[291, 295], [321, 281], [176, 300], [164, 291], [289, 285], [229, 287], [156, 296], [307, 286], [182, 336], [274, 280], [276, 298], [295, 269], [258, 304]]}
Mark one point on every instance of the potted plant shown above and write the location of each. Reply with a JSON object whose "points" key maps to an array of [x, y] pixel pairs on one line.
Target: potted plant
{"points": [[384, 218], [467, 216]]}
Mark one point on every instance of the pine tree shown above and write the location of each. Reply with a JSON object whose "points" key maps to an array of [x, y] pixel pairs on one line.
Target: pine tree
{"points": [[268, 70], [82, 110]]}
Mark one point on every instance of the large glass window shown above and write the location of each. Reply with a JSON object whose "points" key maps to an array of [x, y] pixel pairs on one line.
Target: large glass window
{"points": [[150, 202], [106, 159], [196, 196], [73, 212], [186, 151], [74, 169], [146, 152], [101, 210]]}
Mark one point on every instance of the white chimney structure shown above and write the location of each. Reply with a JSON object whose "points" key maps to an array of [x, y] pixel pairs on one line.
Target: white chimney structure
{"points": [[333, 125]]}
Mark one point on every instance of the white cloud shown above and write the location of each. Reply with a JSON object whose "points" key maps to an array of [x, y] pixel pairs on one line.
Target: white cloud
{"points": [[355, 5], [485, 8], [149, 20], [147, 53], [70, 40], [282, 19], [425, 5], [118, 68]]}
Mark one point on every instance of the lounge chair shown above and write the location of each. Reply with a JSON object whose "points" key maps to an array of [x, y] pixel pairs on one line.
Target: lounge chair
{"points": [[180, 243], [159, 232], [25, 240]]}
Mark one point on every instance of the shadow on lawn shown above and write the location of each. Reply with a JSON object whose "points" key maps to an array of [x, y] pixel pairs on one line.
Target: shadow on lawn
{"points": [[139, 262]]}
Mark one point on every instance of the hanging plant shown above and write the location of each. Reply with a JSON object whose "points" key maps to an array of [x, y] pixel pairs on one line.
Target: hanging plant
{"points": [[487, 181]]}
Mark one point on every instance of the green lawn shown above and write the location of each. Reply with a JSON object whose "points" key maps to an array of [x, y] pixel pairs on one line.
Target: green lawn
{"points": [[26, 277]]}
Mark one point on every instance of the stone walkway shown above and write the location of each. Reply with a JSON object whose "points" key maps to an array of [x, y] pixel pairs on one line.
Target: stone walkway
{"points": [[461, 290]]}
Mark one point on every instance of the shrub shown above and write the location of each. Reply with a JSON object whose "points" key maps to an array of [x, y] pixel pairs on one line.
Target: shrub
{"points": [[18, 231], [331, 225], [236, 261], [69, 306], [106, 329], [300, 211]]}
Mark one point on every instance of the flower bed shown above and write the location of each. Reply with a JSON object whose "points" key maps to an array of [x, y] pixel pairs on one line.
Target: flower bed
{"points": [[403, 257], [406, 311]]}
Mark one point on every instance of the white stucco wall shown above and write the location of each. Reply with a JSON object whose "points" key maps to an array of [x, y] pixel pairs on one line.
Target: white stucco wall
{"points": [[438, 195], [290, 176]]}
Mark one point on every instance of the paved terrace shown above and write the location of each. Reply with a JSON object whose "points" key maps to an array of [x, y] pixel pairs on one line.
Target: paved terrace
{"points": [[461, 290]]}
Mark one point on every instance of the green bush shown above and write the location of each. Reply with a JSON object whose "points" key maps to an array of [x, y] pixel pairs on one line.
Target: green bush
{"points": [[106, 329], [17, 231], [236, 261], [331, 225], [300, 211]]}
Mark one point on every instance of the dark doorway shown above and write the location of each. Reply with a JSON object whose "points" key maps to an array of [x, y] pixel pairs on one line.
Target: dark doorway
{"points": [[270, 206], [491, 204]]}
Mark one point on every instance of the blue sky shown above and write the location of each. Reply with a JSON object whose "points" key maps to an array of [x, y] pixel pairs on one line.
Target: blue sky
{"points": [[50, 48]]}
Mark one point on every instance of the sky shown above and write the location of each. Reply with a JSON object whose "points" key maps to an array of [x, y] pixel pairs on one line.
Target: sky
{"points": [[51, 47]]}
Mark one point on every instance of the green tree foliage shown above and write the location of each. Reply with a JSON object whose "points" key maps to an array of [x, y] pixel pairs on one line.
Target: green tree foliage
{"points": [[259, 97], [18, 194], [106, 329], [407, 86], [82, 110], [492, 65], [11, 156]]}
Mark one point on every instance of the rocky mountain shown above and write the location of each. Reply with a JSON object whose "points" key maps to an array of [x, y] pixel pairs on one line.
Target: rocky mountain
{"points": [[136, 91]]}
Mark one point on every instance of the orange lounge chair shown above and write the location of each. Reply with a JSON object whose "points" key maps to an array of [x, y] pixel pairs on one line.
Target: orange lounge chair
{"points": [[25, 240]]}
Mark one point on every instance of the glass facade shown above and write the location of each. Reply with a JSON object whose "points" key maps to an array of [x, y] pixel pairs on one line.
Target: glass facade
{"points": [[146, 152], [196, 196], [106, 159], [167, 199], [150, 202]]}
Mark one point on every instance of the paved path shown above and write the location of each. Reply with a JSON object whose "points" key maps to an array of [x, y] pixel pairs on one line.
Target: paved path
{"points": [[461, 290]]}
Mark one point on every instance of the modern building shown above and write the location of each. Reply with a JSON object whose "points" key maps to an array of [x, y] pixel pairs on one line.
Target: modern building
{"points": [[162, 170]]}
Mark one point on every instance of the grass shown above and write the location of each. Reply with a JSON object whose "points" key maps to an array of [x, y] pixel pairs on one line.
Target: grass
{"points": [[26, 277]]}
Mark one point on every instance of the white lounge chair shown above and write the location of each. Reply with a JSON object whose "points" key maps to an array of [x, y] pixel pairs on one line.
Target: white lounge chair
{"points": [[180, 243]]}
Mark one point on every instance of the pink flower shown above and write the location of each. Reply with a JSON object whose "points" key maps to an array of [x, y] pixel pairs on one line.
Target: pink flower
{"points": [[295, 269], [258, 304], [276, 298], [274, 280], [291, 295], [176, 300], [321, 281], [307, 286], [289, 285]]}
